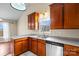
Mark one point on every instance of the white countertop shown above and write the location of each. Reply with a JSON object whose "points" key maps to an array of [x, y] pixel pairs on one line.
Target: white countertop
{"points": [[4, 40], [64, 40], [70, 41]]}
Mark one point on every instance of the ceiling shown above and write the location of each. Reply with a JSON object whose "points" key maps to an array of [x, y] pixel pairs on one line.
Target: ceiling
{"points": [[8, 12]]}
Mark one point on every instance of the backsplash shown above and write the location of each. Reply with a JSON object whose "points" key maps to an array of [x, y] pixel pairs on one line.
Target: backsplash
{"points": [[73, 33]]}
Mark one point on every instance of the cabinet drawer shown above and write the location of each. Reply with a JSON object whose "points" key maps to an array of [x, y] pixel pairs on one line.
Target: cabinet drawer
{"points": [[71, 48]]}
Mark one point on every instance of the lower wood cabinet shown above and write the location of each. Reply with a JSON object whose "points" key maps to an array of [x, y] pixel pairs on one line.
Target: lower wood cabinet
{"points": [[29, 44], [25, 45], [20, 46], [71, 53], [17, 48], [70, 50], [41, 48], [37, 46], [34, 46]]}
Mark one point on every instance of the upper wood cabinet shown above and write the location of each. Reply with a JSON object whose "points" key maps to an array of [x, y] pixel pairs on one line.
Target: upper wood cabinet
{"points": [[71, 16], [64, 15], [33, 23], [56, 16]]}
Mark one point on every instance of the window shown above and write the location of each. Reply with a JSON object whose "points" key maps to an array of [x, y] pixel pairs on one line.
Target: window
{"points": [[4, 30], [1, 29]]}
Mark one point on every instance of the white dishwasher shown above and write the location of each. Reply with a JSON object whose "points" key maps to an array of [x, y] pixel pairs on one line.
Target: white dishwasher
{"points": [[54, 49]]}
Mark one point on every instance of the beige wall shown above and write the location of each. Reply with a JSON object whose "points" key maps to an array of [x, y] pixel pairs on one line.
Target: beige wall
{"points": [[13, 28], [1, 33], [23, 23]]}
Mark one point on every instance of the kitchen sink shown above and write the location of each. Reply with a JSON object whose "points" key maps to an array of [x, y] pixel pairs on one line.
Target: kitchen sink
{"points": [[34, 36], [42, 36]]}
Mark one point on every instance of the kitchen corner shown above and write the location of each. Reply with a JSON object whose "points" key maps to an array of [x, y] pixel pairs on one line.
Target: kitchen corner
{"points": [[51, 41], [39, 29]]}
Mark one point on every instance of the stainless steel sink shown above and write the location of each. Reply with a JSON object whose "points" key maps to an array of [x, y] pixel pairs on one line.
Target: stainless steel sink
{"points": [[39, 36], [42, 36], [34, 36]]}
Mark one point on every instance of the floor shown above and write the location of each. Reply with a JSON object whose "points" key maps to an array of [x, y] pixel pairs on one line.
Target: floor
{"points": [[9, 55], [28, 54], [25, 54]]}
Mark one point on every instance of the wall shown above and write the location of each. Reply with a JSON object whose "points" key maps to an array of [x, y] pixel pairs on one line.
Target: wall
{"points": [[1, 33], [23, 24], [23, 21], [13, 28], [1, 29], [74, 33]]}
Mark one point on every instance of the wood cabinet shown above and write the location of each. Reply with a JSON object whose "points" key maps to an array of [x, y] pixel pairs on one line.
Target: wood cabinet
{"points": [[25, 45], [20, 46], [64, 15], [41, 48], [34, 45], [33, 23], [30, 44], [56, 16], [70, 50], [37, 46], [71, 16]]}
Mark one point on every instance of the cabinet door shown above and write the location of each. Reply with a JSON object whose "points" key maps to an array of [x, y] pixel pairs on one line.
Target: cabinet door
{"points": [[41, 49], [71, 16], [30, 44], [29, 22], [70, 50], [34, 46], [71, 53], [33, 21], [25, 45], [56, 16], [17, 48], [30, 18]]}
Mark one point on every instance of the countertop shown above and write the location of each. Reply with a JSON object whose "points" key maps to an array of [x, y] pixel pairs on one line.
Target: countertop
{"points": [[4, 40], [64, 40]]}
